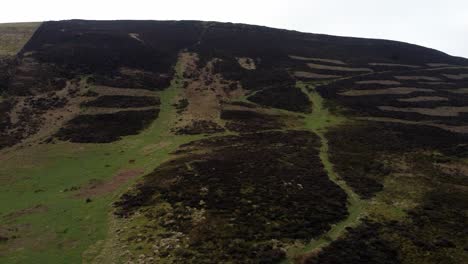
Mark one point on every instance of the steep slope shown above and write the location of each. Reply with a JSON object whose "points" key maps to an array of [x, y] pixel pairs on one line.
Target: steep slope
{"points": [[205, 142]]}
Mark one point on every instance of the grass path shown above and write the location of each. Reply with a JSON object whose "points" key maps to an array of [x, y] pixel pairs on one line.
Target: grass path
{"points": [[109, 250], [319, 121]]}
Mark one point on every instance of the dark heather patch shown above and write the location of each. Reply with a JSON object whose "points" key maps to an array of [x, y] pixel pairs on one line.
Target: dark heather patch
{"points": [[362, 244], [43, 104], [5, 138], [254, 188], [181, 105], [250, 121], [243, 104], [31, 78], [90, 93], [105, 128], [103, 48], [253, 80], [274, 86], [122, 101], [365, 148], [7, 64], [270, 47], [143, 80], [200, 127], [369, 105], [287, 98], [437, 230], [5, 108], [433, 232]]}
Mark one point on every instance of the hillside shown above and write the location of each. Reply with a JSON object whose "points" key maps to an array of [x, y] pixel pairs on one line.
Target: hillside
{"points": [[206, 142]]}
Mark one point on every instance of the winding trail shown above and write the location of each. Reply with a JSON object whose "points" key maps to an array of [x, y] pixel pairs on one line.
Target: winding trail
{"points": [[318, 122]]}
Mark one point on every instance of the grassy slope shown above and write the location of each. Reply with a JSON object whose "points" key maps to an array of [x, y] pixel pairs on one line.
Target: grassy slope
{"points": [[37, 175], [13, 36]]}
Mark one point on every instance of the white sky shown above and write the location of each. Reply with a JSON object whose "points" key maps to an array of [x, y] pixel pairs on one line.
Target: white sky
{"points": [[439, 24]]}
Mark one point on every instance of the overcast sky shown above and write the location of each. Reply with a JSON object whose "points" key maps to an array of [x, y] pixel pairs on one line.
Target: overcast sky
{"points": [[439, 24]]}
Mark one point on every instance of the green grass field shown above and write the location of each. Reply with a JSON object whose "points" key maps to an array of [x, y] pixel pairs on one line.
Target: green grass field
{"points": [[66, 226]]}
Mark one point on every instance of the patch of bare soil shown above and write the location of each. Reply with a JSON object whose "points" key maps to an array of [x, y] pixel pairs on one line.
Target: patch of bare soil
{"points": [[461, 76], [337, 68], [247, 63], [396, 90], [382, 82], [394, 65], [423, 99], [437, 111], [417, 78], [317, 59], [99, 188], [204, 92], [311, 75]]}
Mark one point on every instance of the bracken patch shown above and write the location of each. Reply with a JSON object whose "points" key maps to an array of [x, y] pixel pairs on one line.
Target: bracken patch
{"points": [[288, 98], [105, 128]]}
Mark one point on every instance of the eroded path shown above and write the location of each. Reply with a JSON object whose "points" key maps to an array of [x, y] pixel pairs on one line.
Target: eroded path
{"points": [[319, 121]]}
